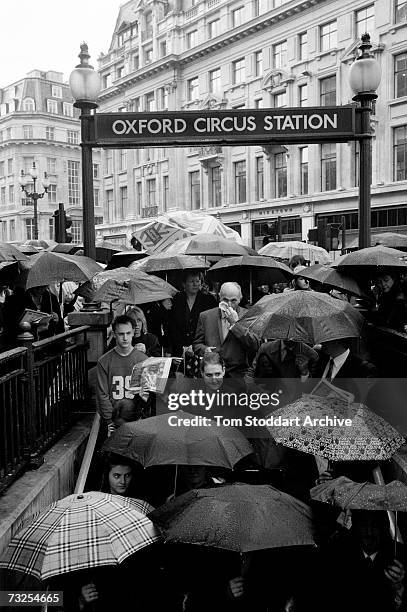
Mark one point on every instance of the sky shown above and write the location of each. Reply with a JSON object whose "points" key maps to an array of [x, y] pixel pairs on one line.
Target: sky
{"points": [[46, 34]]}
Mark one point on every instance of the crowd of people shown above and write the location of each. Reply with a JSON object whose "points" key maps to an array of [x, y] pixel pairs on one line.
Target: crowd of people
{"points": [[355, 569]]}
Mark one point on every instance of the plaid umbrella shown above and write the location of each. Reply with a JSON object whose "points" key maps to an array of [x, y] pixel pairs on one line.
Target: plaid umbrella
{"points": [[46, 268], [306, 316], [80, 532], [286, 250], [154, 441], [236, 517], [9, 252], [348, 495], [326, 275], [368, 438]]}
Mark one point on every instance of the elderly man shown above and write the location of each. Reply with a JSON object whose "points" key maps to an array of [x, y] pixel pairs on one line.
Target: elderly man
{"points": [[219, 330]]}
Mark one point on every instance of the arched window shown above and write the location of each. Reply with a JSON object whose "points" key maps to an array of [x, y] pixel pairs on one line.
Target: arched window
{"points": [[28, 104]]}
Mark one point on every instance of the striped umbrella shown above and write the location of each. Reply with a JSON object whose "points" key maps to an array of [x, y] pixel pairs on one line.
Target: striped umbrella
{"points": [[81, 532]]}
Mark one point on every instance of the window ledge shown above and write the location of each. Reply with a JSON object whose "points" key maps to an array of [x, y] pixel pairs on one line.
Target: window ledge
{"points": [[322, 54], [397, 26], [398, 101]]}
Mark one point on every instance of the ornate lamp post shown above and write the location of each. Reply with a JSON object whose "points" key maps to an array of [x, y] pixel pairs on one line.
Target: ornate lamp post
{"points": [[364, 79], [85, 88], [24, 180]]}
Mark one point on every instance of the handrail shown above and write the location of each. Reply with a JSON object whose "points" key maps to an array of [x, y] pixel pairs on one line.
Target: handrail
{"points": [[87, 457], [73, 332]]}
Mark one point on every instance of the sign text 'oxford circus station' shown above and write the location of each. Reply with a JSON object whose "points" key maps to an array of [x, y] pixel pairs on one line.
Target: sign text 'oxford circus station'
{"points": [[289, 125]]}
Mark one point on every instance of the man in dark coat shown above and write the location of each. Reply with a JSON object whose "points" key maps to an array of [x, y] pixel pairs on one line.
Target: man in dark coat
{"points": [[219, 329], [187, 306]]}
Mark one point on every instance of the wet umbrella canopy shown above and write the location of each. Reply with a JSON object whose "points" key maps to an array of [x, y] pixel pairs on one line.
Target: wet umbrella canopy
{"points": [[236, 517], [8, 252], [46, 268], [326, 275]]}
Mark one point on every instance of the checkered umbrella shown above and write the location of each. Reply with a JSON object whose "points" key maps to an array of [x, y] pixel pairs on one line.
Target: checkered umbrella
{"points": [[80, 532]]}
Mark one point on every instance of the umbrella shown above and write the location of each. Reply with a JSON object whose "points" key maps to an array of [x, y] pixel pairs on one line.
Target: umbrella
{"points": [[80, 532], [286, 250], [154, 441], [118, 274], [27, 249], [9, 252], [141, 290], [65, 247], [40, 244], [307, 316], [124, 258], [47, 268], [344, 493], [368, 437], [326, 275], [237, 517], [207, 245], [373, 258], [161, 262], [388, 239]]}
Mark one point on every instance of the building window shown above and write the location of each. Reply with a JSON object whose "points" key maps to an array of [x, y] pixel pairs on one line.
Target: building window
{"points": [[193, 89], [400, 153], [52, 194], [258, 103], [163, 98], [401, 11], [280, 54], [73, 182], [134, 105], [215, 178], [56, 91], [280, 100], [10, 166], [51, 165], [280, 174], [52, 107], [163, 48], [28, 105], [149, 101], [3, 196], [106, 81], [108, 212], [303, 95], [214, 28], [237, 17], [302, 46], [76, 232], [148, 55], [27, 132], [258, 63], [119, 72], [166, 192], [194, 190], [256, 8], [27, 164], [136, 62], [29, 229], [150, 183], [51, 229], [240, 181], [139, 196], [192, 39], [11, 194], [238, 71], [328, 166], [72, 137], [214, 81], [356, 164], [304, 170], [123, 203], [3, 232], [96, 197], [12, 229], [364, 19], [259, 178], [95, 171], [67, 109], [109, 162], [49, 133], [148, 24], [328, 91], [400, 75], [2, 165], [327, 36], [122, 159]]}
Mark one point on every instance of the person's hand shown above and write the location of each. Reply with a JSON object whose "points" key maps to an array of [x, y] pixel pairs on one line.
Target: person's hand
{"points": [[89, 593], [395, 572], [189, 350], [236, 586], [110, 429], [231, 315], [55, 317], [148, 382], [209, 349], [140, 346], [323, 477]]}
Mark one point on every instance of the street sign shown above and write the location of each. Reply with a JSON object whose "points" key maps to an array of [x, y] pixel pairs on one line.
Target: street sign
{"points": [[265, 126]]}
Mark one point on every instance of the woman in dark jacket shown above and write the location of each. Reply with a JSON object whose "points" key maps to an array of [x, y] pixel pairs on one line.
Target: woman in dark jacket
{"points": [[392, 303], [142, 336]]}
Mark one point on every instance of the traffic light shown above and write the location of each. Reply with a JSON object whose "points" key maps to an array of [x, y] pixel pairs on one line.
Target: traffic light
{"points": [[62, 225]]}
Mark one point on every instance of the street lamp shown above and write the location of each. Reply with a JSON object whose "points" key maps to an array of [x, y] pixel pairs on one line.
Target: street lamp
{"points": [[85, 88], [24, 180], [364, 79]]}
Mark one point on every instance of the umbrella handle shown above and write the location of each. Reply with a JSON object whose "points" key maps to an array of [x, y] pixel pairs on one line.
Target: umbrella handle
{"points": [[394, 531]]}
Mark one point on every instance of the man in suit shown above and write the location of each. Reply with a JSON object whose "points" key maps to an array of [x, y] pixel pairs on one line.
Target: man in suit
{"points": [[187, 306], [219, 330]]}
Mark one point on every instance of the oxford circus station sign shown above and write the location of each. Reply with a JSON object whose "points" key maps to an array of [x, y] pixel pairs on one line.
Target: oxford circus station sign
{"points": [[226, 126]]}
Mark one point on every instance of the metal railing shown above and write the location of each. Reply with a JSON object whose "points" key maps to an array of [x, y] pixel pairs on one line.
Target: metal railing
{"points": [[42, 385]]}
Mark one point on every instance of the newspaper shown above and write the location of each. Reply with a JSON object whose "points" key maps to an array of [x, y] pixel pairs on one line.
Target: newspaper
{"points": [[324, 388], [150, 375], [35, 317]]}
